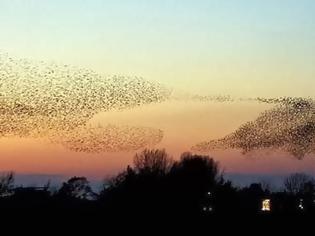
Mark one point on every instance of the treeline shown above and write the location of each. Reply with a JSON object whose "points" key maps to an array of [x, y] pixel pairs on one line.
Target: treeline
{"points": [[193, 186]]}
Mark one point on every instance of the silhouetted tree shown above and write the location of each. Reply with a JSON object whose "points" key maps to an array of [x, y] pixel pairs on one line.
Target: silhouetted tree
{"points": [[141, 188], [155, 161], [121, 179], [76, 187], [6, 184], [201, 169], [192, 180], [191, 187], [31, 197], [298, 183], [158, 184], [226, 200], [309, 188], [266, 186]]}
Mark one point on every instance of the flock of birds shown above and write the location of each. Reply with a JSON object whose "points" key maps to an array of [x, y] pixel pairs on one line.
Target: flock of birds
{"points": [[289, 126], [41, 100], [56, 102]]}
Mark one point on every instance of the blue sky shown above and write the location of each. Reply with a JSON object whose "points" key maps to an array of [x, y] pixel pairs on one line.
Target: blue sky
{"points": [[201, 45]]}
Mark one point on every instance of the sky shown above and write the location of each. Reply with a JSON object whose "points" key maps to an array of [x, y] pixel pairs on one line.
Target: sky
{"points": [[242, 48], [256, 47]]}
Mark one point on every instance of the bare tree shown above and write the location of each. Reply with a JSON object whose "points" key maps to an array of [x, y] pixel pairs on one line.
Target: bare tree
{"points": [[153, 161], [6, 183], [296, 183], [266, 185]]}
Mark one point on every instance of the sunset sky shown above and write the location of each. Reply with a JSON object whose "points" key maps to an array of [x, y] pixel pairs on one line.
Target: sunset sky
{"points": [[241, 48]]}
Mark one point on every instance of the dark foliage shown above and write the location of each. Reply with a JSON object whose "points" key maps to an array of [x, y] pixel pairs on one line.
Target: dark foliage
{"points": [[157, 186]]}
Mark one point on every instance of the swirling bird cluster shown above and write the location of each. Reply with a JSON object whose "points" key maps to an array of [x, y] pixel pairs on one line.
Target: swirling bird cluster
{"points": [[56, 102], [289, 126]]}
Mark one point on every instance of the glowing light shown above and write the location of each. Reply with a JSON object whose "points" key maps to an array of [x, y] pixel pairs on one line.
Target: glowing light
{"points": [[301, 207], [207, 208], [266, 206]]}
